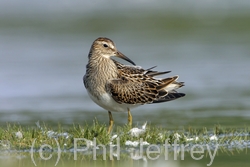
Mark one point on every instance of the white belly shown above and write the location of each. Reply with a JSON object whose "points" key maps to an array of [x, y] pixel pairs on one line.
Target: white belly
{"points": [[107, 102]]}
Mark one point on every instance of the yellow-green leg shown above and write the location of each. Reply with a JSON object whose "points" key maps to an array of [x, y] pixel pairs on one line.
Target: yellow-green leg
{"points": [[129, 118], [111, 122]]}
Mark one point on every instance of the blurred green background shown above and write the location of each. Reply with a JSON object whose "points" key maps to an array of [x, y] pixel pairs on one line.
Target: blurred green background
{"points": [[44, 47]]}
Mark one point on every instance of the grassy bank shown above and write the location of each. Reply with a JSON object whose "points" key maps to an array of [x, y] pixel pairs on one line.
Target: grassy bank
{"points": [[20, 138]]}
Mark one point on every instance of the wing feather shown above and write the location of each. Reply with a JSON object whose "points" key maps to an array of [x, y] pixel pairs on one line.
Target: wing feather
{"points": [[135, 85]]}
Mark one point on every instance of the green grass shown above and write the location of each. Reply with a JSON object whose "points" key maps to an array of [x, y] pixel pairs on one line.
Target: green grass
{"points": [[153, 135]]}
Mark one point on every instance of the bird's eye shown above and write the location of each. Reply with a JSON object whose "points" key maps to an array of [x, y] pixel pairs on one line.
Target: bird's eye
{"points": [[105, 45]]}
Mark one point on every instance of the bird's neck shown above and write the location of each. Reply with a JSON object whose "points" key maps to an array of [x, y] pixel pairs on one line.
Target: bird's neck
{"points": [[102, 66], [100, 71]]}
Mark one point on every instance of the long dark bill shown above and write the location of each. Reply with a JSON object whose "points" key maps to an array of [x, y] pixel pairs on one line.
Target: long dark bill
{"points": [[120, 55]]}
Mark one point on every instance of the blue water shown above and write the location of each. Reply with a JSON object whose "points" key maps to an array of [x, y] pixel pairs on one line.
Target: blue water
{"points": [[44, 48]]}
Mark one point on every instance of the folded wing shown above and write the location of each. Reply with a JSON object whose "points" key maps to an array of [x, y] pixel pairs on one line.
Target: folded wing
{"points": [[138, 86]]}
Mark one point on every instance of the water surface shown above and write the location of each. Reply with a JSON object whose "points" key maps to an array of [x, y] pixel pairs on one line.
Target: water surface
{"points": [[44, 48]]}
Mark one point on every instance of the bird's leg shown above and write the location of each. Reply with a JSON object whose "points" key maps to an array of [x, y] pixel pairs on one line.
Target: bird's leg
{"points": [[129, 118], [111, 122]]}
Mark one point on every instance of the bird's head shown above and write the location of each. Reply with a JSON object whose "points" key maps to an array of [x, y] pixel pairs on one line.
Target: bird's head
{"points": [[105, 47]]}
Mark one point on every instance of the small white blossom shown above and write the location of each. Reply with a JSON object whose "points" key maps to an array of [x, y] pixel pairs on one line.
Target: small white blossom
{"points": [[136, 132], [19, 135], [214, 137]]}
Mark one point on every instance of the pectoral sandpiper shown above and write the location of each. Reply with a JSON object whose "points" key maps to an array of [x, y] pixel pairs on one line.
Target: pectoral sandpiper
{"points": [[118, 87]]}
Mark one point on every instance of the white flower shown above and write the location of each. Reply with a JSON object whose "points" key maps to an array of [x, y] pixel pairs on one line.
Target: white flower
{"points": [[136, 132], [214, 137], [135, 143], [19, 135]]}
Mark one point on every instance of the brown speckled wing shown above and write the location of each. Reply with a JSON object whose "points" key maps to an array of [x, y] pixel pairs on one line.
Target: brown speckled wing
{"points": [[137, 86]]}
